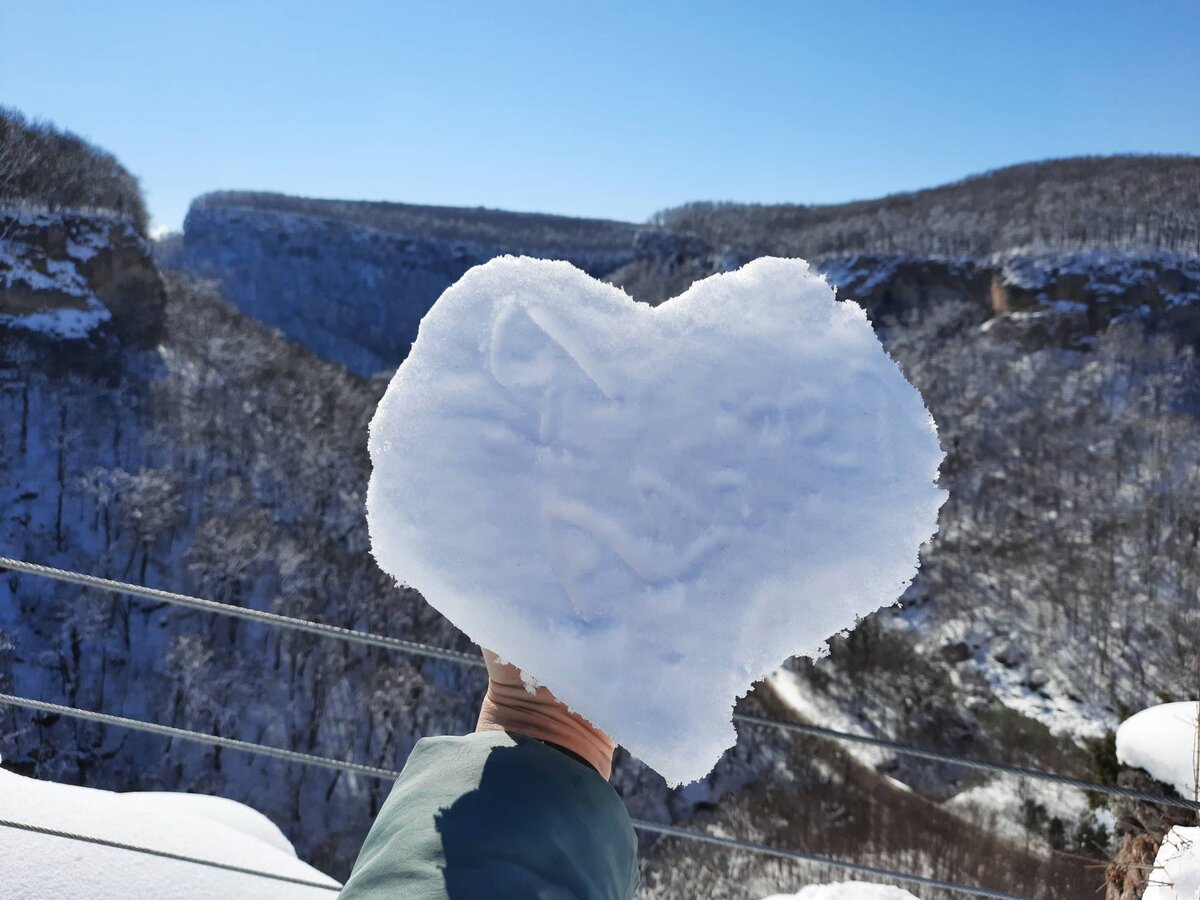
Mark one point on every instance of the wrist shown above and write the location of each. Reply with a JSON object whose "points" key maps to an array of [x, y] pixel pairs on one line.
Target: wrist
{"points": [[509, 706]]}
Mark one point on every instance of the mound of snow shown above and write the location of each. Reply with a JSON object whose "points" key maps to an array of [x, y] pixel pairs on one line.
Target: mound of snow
{"points": [[648, 509], [39, 866], [1176, 874], [847, 890], [237, 816], [1163, 740]]}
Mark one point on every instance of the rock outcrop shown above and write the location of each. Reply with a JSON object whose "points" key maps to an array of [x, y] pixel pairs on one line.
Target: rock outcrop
{"points": [[78, 276], [1047, 298], [1141, 829], [1060, 296]]}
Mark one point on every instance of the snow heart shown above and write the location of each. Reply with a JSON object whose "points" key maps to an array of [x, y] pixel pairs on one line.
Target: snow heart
{"points": [[649, 508]]}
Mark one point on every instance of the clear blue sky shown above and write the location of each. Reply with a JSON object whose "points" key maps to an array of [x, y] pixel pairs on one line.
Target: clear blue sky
{"points": [[602, 109]]}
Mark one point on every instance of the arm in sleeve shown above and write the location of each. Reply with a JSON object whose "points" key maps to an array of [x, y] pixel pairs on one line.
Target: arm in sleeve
{"points": [[501, 816]]}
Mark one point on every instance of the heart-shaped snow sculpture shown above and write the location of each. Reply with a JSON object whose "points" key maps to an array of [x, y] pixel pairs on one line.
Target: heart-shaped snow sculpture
{"points": [[644, 508]]}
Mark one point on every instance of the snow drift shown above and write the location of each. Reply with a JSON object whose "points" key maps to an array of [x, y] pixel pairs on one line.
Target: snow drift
{"points": [[34, 865], [1164, 741]]}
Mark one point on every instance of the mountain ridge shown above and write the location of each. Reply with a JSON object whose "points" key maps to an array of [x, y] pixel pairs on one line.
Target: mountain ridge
{"points": [[352, 279], [225, 461], [1056, 172], [1124, 201], [466, 223]]}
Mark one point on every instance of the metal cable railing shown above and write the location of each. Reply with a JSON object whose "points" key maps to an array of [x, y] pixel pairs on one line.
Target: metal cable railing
{"points": [[391, 643], [386, 774], [164, 854]]}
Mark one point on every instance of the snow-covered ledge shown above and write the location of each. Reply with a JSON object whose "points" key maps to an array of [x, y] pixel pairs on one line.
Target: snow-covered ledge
{"points": [[36, 865]]}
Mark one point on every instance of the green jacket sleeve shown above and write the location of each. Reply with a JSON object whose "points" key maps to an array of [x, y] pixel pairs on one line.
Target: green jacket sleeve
{"points": [[496, 815]]}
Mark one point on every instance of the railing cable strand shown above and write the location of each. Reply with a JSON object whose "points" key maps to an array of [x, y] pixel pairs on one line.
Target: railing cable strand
{"points": [[387, 774], [419, 649]]}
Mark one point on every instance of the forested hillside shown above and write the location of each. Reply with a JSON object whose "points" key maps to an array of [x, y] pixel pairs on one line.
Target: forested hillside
{"points": [[168, 438], [42, 166], [1083, 203], [450, 223]]}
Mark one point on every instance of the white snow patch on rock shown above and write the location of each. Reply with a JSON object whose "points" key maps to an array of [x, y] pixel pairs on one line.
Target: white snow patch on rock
{"points": [[820, 710], [1163, 740], [21, 269], [1176, 874], [1000, 805], [63, 323], [649, 508], [41, 867]]}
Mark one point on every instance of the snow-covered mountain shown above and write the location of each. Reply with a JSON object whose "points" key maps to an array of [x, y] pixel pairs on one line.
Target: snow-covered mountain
{"points": [[178, 442]]}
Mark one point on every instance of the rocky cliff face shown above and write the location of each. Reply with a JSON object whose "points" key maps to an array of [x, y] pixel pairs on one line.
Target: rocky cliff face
{"points": [[1047, 298], [78, 276], [1084, 241], [1061, 296], [353, 287]]}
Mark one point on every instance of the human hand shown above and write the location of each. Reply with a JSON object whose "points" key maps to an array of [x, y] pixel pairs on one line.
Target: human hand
{"points": [[508, 706]]}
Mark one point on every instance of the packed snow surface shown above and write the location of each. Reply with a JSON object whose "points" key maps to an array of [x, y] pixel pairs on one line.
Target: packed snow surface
{"points": [[1176, 874], [1163, 740], [847, 890], [644, 508], [36, 866]]}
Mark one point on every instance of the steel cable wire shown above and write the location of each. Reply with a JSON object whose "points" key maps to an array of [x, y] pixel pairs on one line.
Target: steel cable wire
{"points": [[165, 854], [800, 856], [967, 762], [386, 774], [241, 612], [419, 649], [169, 731]]}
